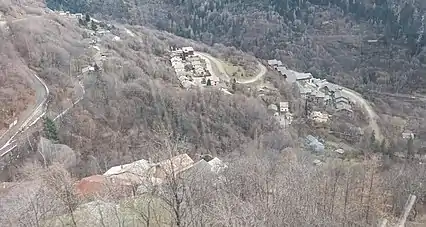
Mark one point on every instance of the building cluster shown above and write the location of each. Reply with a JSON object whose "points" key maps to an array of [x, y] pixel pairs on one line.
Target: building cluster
{"points": [[408, 135], [327, 95], [98, 28], [98, 59], [320, 92], [281, 113], [190, 69], [319, 117], [290, 75], [142, 176], [70, 15]]}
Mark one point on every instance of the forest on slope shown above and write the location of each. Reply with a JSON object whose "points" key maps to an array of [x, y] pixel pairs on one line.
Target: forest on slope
{"points": [[136, 99], [325, 37], [134, 109]]}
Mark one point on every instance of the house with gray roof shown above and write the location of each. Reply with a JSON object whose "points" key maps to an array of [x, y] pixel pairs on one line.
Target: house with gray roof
{"points": [[304, 91], [284, 107], [302, 76], [329, 88], [293, 76], [340, 97], [281, 69], [343, 107], [274, 63], [408, 135], [317, 96], [188, 51], [133, 172]]}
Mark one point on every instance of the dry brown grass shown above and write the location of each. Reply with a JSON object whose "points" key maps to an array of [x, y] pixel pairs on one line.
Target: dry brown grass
{"points": [[234, 70]]}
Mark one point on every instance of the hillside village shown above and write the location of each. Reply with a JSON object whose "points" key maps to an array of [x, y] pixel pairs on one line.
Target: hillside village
{"points": [[130, 183], [322, 99], [194, 71], [96, 30], [144, 176], [191, 69], [149, 179], [325, 95]]}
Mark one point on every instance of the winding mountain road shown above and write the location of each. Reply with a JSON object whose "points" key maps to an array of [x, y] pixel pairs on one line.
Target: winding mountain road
{"points": [[80, 83], [30, 116], [372, 115], [216, 68], [262, 72], [33, 113]]}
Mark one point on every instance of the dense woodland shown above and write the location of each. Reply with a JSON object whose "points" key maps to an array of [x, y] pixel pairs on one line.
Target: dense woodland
{"points": [[325, 37]]}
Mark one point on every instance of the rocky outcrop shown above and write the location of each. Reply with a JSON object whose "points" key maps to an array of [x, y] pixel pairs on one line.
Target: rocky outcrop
{"points": [[59, 153]]}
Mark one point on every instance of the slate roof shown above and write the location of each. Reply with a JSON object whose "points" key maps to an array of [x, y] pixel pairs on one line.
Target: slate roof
{"points": [[331, 87], [318, 94], [304, 90], [293, 76], [340, 95], [187, 49], [341, 106], [197, 170], [135, 172], [274, 62], [172, 165]]}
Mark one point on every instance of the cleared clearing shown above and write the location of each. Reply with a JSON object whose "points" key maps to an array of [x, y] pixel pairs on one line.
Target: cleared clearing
{"points": [[233, 70]]}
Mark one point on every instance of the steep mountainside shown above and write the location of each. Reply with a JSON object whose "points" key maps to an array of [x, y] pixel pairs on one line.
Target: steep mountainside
{"points": [[325, 37], [135, 99], [134, 108], [16, 92]]}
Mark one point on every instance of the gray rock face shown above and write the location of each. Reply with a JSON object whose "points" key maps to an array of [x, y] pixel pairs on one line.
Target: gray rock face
{"points": [[59, 153]]}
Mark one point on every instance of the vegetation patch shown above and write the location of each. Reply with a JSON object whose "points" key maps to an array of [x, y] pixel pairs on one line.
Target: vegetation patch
{"points": [[234, 70]]}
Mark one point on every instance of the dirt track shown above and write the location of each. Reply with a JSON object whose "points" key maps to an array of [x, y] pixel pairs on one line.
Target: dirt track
{"points": [[216, 68]]}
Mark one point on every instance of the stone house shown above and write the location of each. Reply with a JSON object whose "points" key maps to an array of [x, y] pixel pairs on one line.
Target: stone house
{"points": [[293, 76], [79, 15], [317, 97], [188, 51], [274, 63], [408, 135], [284, 107]]}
